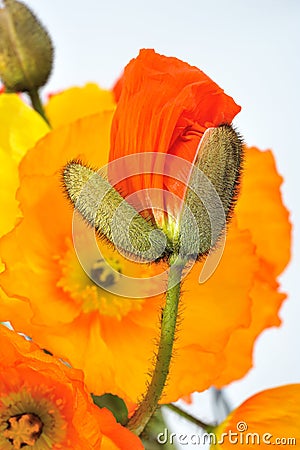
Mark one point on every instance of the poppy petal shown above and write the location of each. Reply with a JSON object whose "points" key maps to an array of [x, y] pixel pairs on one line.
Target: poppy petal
{"points": [[164, 107], [77, 102], [270, 417], [268, 222]]}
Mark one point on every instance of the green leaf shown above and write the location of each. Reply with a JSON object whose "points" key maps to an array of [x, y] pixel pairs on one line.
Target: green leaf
{"points": [[115, 404]]}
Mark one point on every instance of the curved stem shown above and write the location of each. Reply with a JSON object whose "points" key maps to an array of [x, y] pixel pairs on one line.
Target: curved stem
{"points": [[150, 401], [220, 397], [37, 104], [205, 426]]}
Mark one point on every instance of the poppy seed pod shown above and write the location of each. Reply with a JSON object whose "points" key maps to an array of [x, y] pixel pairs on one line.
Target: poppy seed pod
{"points": [[26, 52]]}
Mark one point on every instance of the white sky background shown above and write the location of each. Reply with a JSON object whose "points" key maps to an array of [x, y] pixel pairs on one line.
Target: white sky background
{"points": [[251, 49]]}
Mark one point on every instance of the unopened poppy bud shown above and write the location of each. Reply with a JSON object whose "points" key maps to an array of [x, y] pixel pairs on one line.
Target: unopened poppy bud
{"points": [[213, 189], [26, 52], [111, 215]]}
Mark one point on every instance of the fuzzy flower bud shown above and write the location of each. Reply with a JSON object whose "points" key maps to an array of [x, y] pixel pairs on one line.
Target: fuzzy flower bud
{"points": [[213, 189], [109, 213], [26, 51]]}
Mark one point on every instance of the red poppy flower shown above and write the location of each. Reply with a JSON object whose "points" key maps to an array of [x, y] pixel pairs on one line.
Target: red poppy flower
{"points": [[164, 107]]}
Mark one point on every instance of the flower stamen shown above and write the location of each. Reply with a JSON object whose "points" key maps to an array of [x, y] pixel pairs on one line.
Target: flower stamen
{"points": [[23, 429], [105, 275]]}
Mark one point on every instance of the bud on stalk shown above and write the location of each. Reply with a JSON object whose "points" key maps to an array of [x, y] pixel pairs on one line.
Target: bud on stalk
{"points": [[26, 51], [213, 189], [113, 218], [209, 201]]}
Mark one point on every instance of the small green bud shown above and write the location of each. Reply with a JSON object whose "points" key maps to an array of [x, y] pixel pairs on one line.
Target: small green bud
{"points": [[212, 192], [26, 52], [111, 215]]}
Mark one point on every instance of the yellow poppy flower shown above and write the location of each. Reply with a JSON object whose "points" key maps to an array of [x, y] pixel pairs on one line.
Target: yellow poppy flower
{"points": [[20, 129], [74, 103]]}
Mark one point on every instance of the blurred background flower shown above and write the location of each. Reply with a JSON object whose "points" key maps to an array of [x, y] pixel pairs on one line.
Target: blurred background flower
{"points": [[270, 417]]}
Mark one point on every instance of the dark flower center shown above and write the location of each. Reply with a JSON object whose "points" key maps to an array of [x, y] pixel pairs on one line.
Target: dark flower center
{"points": [[23, 429], [104, 275]]}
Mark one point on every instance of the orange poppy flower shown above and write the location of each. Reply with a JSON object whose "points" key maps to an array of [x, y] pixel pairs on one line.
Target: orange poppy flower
{"points": [[268, 418], [44, 404], [51, 298]]}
